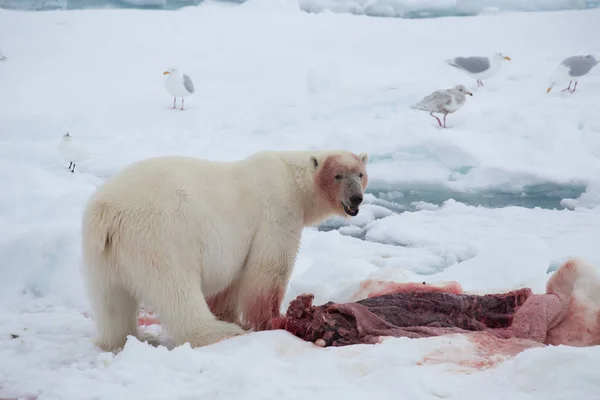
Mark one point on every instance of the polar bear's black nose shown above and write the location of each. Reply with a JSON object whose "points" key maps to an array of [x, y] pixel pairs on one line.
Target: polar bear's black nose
{"points": [[356, 200]]}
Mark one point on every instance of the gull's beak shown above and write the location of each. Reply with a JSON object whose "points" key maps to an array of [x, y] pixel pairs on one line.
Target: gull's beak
{"points": [[469, 93], [166, 73], [548, 91], [507, 58]]}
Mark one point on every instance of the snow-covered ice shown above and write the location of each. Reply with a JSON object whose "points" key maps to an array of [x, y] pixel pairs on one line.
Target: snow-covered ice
{"points": [[384, 8], [433, 8], [278, 78]]}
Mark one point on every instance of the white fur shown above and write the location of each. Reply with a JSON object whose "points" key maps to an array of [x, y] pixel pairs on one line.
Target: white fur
{"points": [[173, 231]]}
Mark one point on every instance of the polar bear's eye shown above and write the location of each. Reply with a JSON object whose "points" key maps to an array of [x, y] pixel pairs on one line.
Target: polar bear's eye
{"points": [[360, 175], [338, 177]]}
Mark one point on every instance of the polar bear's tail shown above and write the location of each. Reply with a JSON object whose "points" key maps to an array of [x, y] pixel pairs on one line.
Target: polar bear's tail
{"points": [[97, 231]]}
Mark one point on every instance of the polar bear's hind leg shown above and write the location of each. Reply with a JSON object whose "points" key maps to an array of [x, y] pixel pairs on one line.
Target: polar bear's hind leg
{"points": [[115, 312]]}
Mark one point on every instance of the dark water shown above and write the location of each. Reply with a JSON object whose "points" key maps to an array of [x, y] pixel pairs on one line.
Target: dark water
{"points": [[401, 199], [546, 195]]}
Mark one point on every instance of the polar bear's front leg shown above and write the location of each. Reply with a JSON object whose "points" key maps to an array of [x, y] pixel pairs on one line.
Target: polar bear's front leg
{"points": [[175, 294], [224, 304], [264, 281]]}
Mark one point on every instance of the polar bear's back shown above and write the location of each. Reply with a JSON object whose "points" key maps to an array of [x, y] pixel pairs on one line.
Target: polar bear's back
{"points": [[161, 205], [155, 178], [229, 184]]}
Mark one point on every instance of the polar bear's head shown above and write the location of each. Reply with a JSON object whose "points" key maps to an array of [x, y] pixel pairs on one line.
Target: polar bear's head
{"points": [[341, 178]]}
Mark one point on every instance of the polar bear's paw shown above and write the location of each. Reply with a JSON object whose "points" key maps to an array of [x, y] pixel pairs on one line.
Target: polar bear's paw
{"points": [[111, 346], [215, 332], [149, 339]]}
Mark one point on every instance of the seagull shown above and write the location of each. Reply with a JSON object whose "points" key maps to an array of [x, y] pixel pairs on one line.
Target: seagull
{"points": [[178, 85], [2, 56], [479, 67], [445, 101], [71, 152], [572, 68]]}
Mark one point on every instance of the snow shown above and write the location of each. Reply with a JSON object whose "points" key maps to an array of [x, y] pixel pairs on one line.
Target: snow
{"points": [[283, 79]]}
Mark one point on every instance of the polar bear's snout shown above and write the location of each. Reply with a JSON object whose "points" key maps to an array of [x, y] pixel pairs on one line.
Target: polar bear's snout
{"points": [[356, 200], [353, 196]]}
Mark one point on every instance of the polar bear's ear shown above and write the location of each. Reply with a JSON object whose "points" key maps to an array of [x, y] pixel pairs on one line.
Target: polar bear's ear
{"points": [[314, 161], [364, 157]]}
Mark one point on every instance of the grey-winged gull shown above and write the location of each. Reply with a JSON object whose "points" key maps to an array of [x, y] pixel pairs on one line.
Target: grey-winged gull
{"points": [[479, 67], [445, 101], [178, 85], [572, 68]]}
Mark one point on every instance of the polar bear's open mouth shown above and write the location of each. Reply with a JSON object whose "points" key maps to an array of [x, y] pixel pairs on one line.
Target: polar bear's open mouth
{"points": [[351, 211]]}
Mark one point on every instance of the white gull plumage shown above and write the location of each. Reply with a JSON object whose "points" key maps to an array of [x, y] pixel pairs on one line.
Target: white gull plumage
{"points": [[571, 69], [178, 85], [479, 67], [71, 152], [445, 101]]}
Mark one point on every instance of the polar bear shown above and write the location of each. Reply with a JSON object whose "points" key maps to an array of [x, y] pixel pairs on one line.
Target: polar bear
{"points": [[209, 246]]}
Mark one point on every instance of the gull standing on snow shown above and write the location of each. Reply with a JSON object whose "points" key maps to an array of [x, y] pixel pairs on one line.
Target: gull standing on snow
{"points": [[445, 101], [571, 69], [2, 56], [71, 152], [178, 85], [479, 67]]}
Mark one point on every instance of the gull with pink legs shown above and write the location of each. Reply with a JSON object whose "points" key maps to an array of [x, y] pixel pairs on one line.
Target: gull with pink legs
{"points": [[445, 101], [178, 85], [571, 69]]}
